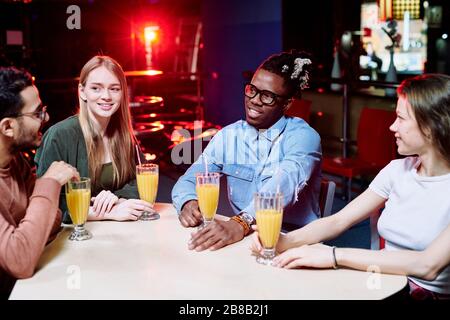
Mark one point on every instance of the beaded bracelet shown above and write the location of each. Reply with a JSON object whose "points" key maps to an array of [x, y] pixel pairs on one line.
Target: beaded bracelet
{"points": [[244, 224]]}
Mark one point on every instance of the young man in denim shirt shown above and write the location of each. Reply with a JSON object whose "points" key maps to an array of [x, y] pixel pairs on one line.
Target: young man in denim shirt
{"points": [[268, 152]]}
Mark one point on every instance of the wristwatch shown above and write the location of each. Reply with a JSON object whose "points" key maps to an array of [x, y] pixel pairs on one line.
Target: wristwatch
{"points": [[248, 218]]}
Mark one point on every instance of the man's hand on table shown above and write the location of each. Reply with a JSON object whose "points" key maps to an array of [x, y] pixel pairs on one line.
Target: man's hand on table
{"points": [[190, 215], [216, 235]]}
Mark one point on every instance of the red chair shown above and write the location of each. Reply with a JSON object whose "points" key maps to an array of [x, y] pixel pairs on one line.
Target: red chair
{"points": [[300, 108], [375, 148]]}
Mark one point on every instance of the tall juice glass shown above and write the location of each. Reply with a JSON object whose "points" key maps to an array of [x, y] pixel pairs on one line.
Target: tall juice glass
{"points": [[207, 188], [269, 216], [147, 175], [78, 197]]}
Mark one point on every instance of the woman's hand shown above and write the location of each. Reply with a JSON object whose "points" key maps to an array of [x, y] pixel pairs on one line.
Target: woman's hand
{"points": [[130, 209], [313, 256], [257, 246], [103, 202]]}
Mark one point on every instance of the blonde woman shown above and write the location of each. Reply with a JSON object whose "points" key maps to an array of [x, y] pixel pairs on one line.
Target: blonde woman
{"points": [[99, 142]]}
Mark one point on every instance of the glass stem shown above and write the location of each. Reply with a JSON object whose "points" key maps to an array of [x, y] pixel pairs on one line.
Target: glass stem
{"points": [[79, 228], [269, 253]]}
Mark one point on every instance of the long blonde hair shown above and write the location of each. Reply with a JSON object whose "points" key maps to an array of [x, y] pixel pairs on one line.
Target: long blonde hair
{"points": [[119, 130]]}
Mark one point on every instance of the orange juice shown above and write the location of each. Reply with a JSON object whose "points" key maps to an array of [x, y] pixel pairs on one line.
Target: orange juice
{"points": [[147, 183], [269, 226], [78, 201], [208, 199]]}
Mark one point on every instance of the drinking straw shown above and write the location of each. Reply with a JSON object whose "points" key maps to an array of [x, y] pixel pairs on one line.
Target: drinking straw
{"points": [[205, 163], [138, 154], [277, 178]]}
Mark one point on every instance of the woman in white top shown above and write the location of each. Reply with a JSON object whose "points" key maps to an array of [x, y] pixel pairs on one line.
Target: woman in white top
{"points": [[415, 194]]}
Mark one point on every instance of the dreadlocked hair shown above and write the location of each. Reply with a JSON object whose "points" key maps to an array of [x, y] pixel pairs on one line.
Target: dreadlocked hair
{"points": [[294, 67]]}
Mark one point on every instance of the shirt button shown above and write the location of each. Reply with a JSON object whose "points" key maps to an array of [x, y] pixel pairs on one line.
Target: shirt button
{"points": [[237, 172]]}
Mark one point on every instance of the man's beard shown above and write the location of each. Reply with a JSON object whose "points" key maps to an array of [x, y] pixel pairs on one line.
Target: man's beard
{"points": [[25, 141]]}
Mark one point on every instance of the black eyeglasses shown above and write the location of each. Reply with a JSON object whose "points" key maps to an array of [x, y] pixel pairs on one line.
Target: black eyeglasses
{"points": [[267, 97], [41, 113]]}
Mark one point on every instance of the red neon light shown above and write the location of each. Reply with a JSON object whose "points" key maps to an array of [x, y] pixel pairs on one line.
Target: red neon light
{"points": [[151, 34]]}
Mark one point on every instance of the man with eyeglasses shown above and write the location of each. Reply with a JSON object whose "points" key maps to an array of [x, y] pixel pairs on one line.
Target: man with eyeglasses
{"points": [[268, 152], [29, 214]]}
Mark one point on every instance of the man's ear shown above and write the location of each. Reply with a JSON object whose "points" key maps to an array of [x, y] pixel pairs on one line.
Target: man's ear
{"points": [[7, 126], [81, 93]]}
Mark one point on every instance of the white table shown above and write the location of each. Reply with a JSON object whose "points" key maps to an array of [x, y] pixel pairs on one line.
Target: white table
{"points": [[150, 260]]}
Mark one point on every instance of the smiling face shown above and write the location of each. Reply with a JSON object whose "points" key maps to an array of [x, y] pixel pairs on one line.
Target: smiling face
{"points": [[409, 138], [102, 93], [258, 114]]}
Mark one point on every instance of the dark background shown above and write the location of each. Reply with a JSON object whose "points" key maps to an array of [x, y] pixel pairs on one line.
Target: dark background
{"points": [[237, 36]]}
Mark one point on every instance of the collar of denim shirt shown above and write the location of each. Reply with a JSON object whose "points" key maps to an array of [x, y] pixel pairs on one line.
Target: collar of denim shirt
{"points": [[274, 131]]}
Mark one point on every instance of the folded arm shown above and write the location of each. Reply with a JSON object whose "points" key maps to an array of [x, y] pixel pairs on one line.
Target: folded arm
{"points": [[425, 264]]}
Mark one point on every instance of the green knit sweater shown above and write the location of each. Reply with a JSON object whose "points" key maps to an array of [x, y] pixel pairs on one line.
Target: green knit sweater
{"points": [[64, 141]]}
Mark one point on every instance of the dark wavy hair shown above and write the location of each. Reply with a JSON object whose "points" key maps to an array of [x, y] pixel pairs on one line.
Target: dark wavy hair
{"points": [[283, 64], [12, 82], [429, 97]]}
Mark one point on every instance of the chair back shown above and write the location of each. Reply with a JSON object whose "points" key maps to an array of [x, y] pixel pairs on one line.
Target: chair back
{"points": [[300, 108], [376, 143], [326, 197]]}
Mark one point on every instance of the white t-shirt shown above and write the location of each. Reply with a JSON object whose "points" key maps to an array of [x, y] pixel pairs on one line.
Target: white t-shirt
{"points": [[417, 210]]}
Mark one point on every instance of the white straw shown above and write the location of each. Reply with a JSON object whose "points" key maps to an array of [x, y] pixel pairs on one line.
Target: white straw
{"points": [[277, 179], [205, 161], [138, 154]]}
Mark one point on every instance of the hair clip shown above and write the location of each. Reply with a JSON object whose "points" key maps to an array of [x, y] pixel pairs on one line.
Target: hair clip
{"points": [[298, 67], [304, 81], [285, 68]]}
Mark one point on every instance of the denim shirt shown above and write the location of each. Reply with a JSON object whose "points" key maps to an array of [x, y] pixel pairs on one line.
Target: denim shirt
{"points": [[286, 157]]}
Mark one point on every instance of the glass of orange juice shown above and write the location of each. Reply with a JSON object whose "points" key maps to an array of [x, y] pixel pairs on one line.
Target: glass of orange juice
{"points": [[78, 197], [147, 175], [207, 188], [269, 216]]}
